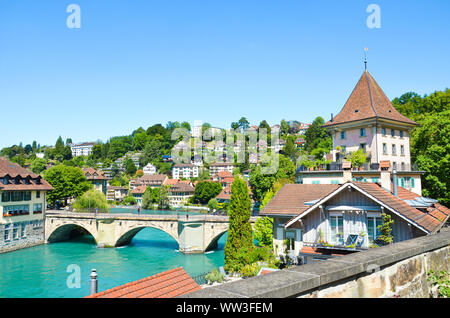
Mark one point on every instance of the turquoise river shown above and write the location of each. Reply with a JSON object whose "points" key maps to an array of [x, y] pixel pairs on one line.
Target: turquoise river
{"points": [[42, 271]]}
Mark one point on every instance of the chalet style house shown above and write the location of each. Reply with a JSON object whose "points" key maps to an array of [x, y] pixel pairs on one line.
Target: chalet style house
{"points": [[336, 209], [368, 121], [22, 206]]}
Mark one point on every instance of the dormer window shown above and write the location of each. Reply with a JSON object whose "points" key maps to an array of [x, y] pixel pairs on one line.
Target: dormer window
{"points": [[356, 110]]}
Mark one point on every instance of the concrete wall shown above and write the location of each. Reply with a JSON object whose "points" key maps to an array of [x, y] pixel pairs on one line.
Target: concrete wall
{"points": [[396, 270]]}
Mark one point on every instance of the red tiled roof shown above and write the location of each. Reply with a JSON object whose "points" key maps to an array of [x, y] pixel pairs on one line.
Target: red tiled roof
{"points": [[426, 221], [139, 189], [169, 284], [224, 174], [171, 181], [368, 101], [15, 171], [385, 164], [181, 187], [89, 173], [291, 198]]}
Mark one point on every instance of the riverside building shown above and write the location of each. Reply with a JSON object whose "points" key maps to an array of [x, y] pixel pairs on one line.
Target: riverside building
{"points": [[22, 206]]}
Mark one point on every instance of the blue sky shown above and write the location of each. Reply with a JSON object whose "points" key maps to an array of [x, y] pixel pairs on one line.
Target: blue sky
{"points": [[137, 63]]}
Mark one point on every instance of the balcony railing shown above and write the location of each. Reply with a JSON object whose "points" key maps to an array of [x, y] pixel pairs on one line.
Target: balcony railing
{"points": [[337, 166]]}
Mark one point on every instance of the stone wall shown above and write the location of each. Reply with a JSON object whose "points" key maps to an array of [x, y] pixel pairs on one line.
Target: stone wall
{"points": [[33, 235], [396, 270]]}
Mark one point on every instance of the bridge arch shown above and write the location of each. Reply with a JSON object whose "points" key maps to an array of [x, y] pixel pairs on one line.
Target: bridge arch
{"points": [[126, 237], [66, 231], [214, 241]]}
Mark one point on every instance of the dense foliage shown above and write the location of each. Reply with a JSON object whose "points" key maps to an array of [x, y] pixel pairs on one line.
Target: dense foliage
{"points": [[430, 142]]}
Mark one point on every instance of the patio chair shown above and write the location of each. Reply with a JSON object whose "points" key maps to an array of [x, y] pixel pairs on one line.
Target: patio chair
{"points": [[351, 239]]}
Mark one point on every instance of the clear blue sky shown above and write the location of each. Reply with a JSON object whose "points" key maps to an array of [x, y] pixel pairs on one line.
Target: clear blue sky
{"points": [[137, 63]]}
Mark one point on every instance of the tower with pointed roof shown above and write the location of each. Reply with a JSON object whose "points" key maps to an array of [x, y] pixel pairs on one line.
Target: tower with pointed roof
{"points": [[370, 122]]}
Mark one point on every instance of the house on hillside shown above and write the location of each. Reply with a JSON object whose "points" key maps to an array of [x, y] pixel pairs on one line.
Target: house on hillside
{"points": [[150, 180], [319, 221], [225, 178], [116, 193], [97, 178]]}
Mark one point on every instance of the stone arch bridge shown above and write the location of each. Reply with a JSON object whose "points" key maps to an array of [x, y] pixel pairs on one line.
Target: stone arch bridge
{"points": [[194, 234]]}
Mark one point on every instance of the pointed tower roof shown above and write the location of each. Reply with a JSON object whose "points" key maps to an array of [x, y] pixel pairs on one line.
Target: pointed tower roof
{"points": [[368, 101]]}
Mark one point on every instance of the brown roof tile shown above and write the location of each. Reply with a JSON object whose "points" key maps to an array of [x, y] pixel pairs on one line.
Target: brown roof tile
{"points": [[15, 171], [291, 198], [172, 283], [368, 101]]}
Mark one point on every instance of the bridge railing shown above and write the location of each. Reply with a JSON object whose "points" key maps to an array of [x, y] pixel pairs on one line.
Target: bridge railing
{"points": [[177, 217]]}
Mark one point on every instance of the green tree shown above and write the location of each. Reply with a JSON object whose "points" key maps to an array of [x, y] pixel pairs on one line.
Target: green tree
{"points": [[213, 205], [129, 200], [284, 127], [244, 123], [240, 229], [205, 191], [67, 182], [130, 167], [38, 165], [318, 137], [264, 231]]}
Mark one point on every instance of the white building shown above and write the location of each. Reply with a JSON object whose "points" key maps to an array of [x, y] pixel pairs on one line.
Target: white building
{"points": [[149, 169], [83, 149], [215, 168], [184, 170]]}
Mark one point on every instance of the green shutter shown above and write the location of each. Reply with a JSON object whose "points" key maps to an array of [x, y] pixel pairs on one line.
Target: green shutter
{"points": [[412, 182], [402, 182]]}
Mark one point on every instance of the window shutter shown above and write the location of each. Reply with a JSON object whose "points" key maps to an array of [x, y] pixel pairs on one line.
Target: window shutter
{"points": [[412, 182], [402, 181]]}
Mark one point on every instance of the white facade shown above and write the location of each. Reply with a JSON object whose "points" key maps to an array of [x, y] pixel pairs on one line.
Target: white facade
{"points": [[149, 169], [83, 149], [184, 171], [215, 168]]}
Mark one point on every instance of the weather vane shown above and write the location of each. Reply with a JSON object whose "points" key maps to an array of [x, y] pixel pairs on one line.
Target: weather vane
{"points": [[365, 57]]}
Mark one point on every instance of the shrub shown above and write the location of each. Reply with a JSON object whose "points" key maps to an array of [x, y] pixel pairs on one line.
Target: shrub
{"points": [[93, 199], [129, 200], [441, 280], [214, 276]]}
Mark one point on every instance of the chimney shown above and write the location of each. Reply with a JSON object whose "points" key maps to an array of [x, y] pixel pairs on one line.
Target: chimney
{"points": [[332, 117], [347, 171], [394, 183], [385, 175]]}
